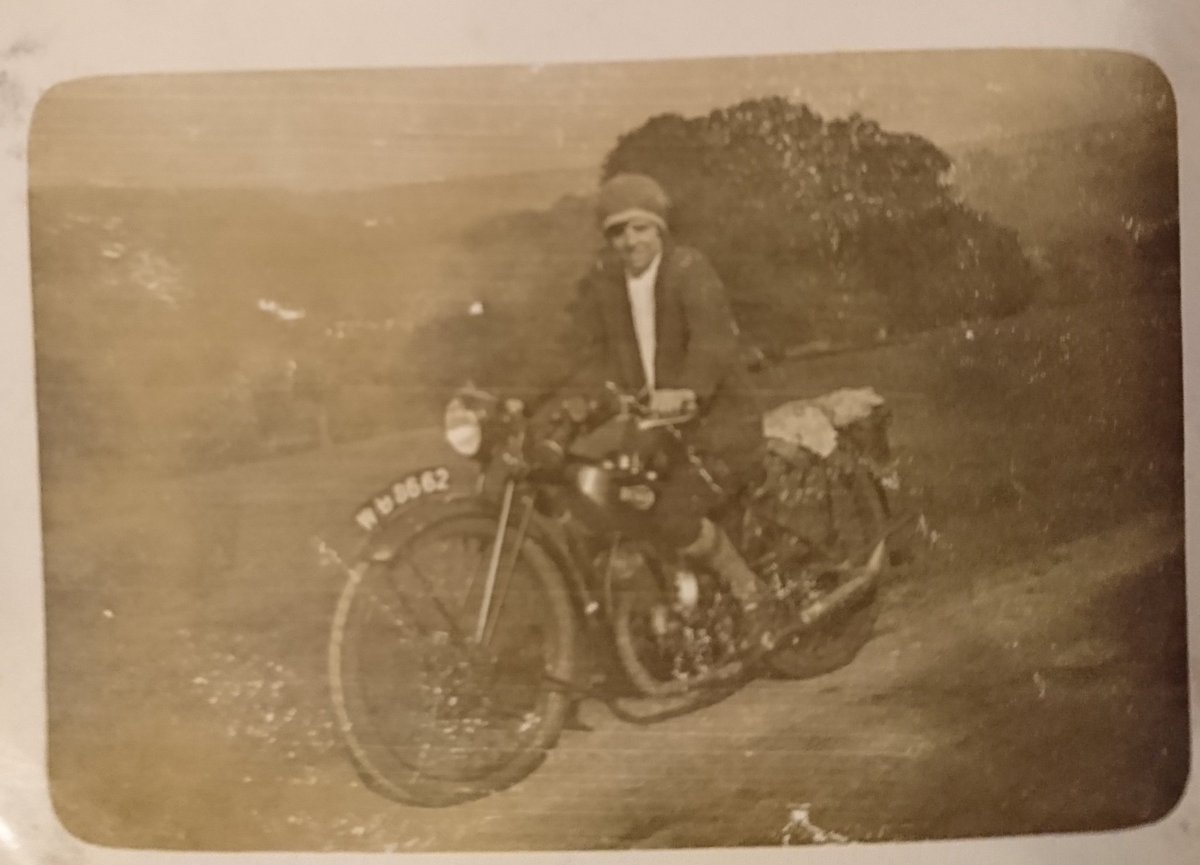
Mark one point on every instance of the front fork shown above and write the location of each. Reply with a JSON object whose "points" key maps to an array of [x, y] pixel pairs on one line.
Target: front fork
{"points": [[506, 548]]}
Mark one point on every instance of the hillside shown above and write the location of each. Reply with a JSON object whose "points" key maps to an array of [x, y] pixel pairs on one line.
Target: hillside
{"points": [[192, 613], [175, 324], [189, 328], [1096, 205], [1074, 180], [335, 253]]}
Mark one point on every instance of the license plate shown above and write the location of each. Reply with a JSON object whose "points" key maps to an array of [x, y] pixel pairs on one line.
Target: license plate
{"points": [[402, 492]]}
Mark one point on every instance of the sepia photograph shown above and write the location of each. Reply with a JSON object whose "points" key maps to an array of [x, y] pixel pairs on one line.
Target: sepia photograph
{"points": [[728, 452]]}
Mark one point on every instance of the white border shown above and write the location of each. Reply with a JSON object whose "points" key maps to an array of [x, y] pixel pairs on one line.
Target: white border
{"points": [[45, 42]]}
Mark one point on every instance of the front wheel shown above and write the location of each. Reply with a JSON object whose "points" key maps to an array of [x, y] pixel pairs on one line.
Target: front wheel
{"points": [[432, 715], [859, 522]]}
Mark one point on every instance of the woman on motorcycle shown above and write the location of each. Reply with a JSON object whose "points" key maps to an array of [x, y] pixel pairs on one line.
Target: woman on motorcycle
{"points": [[654, 318], [445, 692]]}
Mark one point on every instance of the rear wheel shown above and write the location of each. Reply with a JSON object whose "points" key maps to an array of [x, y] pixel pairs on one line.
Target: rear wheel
{"points": [[859, 522], [431, 715], [677, 656]]}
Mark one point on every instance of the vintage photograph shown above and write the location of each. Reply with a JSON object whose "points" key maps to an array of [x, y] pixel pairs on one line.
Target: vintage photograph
{"points": [[730, 452]]}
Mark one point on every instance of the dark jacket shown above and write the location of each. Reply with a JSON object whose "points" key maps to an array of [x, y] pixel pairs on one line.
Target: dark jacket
{"points": [[697, 346]]}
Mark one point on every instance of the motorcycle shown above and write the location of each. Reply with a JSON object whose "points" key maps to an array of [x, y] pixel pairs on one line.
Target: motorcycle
{"points": [[471, 625]]}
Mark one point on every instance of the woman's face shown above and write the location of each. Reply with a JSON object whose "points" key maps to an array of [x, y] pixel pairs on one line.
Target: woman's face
{"points": [[637, 242]]}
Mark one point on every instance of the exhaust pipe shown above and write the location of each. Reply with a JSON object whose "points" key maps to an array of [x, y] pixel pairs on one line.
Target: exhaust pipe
{"points": [[848, 593], [851, 591]]}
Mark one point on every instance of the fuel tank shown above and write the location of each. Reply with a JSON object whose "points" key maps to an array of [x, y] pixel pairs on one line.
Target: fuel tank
{"points": [[615, 472], [609, 498]]}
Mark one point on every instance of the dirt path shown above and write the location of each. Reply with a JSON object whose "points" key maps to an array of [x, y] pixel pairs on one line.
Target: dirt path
{"points": [[904, 743], [990, 700]]}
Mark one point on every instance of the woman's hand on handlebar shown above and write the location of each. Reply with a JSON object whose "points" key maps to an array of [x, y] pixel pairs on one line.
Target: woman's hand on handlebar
{"points": [[675, 405], [672, 402]]}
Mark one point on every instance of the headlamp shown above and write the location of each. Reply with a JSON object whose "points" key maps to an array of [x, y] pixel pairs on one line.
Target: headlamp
{"points": [[463, 428]]}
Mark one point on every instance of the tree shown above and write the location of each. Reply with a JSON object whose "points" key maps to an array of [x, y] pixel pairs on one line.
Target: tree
{"points": [[837, 227]]}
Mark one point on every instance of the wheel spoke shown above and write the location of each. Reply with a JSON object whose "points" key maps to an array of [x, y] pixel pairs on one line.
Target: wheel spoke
{"points": [[410, 622], [456, 632], [470, 552]]}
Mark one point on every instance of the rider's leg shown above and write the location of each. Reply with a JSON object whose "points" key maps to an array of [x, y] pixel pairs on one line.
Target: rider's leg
{"points": [[679, 517], [680, 521], [712, 547]]}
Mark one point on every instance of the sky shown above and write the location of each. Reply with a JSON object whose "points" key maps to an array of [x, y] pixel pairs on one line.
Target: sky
{"points": [[311, 130]]}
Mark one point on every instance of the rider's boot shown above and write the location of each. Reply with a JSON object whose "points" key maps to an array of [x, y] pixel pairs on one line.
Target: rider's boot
{"points": [[714, 550]]}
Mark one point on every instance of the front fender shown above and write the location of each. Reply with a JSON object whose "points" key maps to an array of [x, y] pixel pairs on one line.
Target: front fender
{"points": [[384, 543]]}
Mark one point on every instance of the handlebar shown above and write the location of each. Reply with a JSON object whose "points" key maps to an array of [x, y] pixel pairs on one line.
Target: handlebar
{"points": [[652, 420], [634, 405], [578, 415]]}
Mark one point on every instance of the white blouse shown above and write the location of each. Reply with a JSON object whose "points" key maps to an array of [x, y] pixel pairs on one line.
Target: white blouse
{"points": [[641, 304]]}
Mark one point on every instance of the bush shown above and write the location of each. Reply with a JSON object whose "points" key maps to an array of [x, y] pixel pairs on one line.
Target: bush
{"points": [[841, 222]]}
